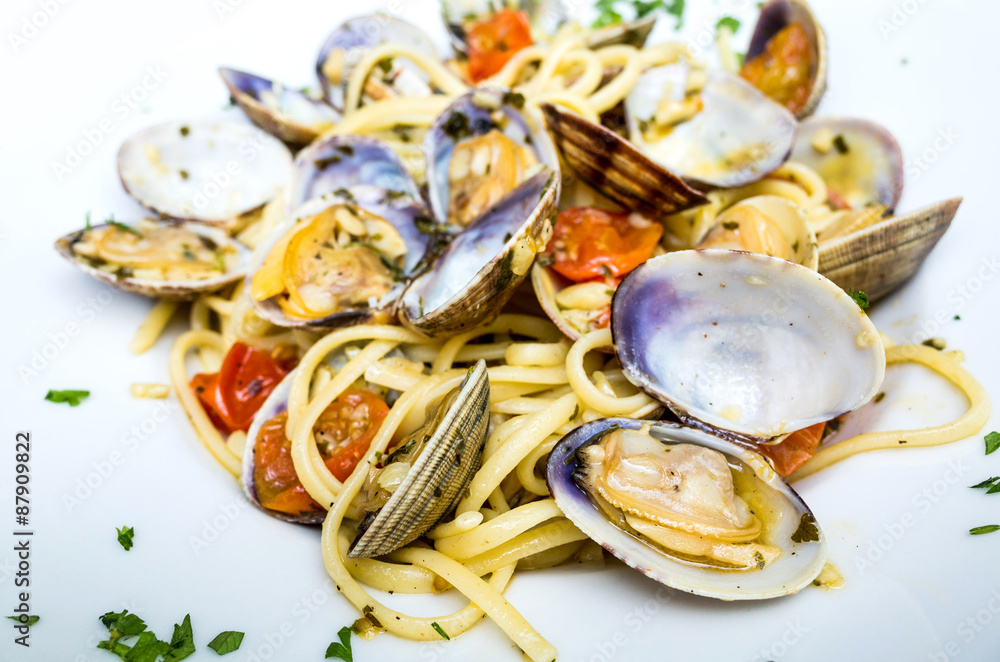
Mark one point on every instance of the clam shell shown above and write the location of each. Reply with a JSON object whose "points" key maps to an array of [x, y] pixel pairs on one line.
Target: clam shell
{"points": [[209, 172], [881, 257], [795, 568], [870, 172], [297, 119], [744, 344], [439, 476], [737, 137], [631, 33], [615, 167], [775, 15], [342, 162], [483, 266], [172, 290]]}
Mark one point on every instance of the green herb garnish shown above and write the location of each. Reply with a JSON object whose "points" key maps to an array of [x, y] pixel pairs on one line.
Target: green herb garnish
{"points": [[840, 144], [731, 225], [182, 641], [733, 24], [185, 131], [440, 630], [606, 14], [807, 531], [227, 642], [70, 397], [859, 297], [125, 536], [88, 227], [28, 620], [124, 228], [936, 343], [341, 650], [992, 441], [989, 528], [515, 99], [457, 126]]}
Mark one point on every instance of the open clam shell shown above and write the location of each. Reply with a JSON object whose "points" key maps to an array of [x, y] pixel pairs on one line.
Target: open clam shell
{"points": [[350, 42], [860, 161], [615, 167], [209, 172], [747, 345], [285, 113], [438, 477], [787, 524], [748, 224], [401, 211], [881, 257], [735, 136], [276, 403], [482, 267], [472, 116], [776, 15], [342, 162], [125, 278]]}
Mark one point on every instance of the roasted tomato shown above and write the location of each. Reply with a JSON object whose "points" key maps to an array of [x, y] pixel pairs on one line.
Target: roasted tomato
{"points": [[343, 433], [493, 41], [782, 70], [589, 243], [232, 396], [795, 450]]}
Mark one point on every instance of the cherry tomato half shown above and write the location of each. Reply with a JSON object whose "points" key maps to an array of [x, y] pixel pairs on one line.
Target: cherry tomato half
{"points": [[782, 70], [589, 243], [795, 450], [493, 41], [232, 396]]}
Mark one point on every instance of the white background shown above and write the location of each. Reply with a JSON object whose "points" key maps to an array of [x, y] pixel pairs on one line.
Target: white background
{"points": [[907, 597]]}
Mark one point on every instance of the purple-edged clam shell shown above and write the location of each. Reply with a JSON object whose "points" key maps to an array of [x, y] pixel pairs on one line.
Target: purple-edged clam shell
{"points": [[285, 113], [276, 403], [864, 167], [738, 137], [475, 114], [743, 342], [359, 34], [798, 564], [341, 162]]}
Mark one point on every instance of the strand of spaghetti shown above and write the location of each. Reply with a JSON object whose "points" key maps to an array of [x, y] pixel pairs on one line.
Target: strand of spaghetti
{"points": [[395, 577], [522, 325], [487, 536], [578, 104], [406, 111], [312, 471], [486, 598], [507, 76], [614, 91], [663, 53], [590, 78], [526, 467], [550, 558], [151, 328], [189, 401], [200, 318], [807, 178], [440, 76], [547, 536], [971, 422], [536, 428], [537, 354], [590, 394], [563, 44], [461, 524]]}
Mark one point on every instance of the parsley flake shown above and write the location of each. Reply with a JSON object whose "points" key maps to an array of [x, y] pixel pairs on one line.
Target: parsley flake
{"points": [[70, 397], [992, 441], [730, 22], [807, 531], [989, 528], [226, 642], [24, 619], [123, 227], [341, 650], [125, 536], [859, 297], [440, 630]]}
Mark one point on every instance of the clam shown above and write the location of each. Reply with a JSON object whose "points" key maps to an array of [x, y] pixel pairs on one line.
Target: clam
{"points": [[425, 476], [479, 149], [788, 28], [750, 346], [859, 160], [879, 258], [351, 41], [210, 172], [616, 168], [483, 266], [161, 259], [686, 508], [343, 260], [342, 162], [710, 128], [287, 114], [766, 224]]}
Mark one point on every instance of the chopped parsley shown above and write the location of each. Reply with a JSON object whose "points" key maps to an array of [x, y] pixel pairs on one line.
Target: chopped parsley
{"points": [[992, 441], [991, 485], [146, 647], [341, 650], [733, 24], [989, 528], [731, 225], [182, 641], [183, 173], [859, 297], [125, 535], [70, 397], [385, 64], [807, 531], [515, 99], [440, 630], [321, 164], [956, 318], [936, 343], [608, 14], [88, 227], [840, 144], [226, 642], [346, 150], [879, 397], [124, 228], [457, 126], [185, 131], [24, 619]]}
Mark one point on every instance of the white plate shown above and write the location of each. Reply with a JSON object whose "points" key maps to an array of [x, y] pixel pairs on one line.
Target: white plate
{"points": [[931, 591]]}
